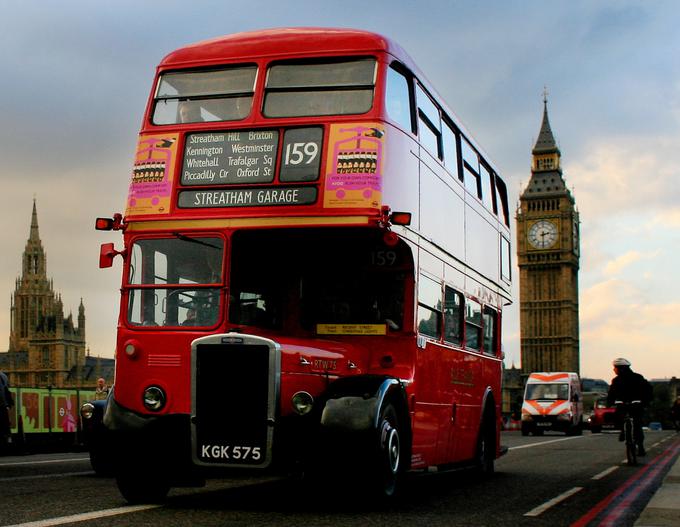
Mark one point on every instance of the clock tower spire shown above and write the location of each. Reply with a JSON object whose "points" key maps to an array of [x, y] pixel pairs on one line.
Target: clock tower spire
{"points": [[548, 259]]}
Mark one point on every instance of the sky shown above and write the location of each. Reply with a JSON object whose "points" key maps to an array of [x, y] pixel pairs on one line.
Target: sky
{"points": [[76, 75]]}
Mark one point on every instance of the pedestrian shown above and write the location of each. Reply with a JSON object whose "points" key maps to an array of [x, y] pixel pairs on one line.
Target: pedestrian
{"points": [[627, 387], [675, 413], [101, 392], [6, 402]]}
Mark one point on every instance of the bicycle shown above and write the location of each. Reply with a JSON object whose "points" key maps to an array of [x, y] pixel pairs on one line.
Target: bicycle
{"points": [[628, 429]]}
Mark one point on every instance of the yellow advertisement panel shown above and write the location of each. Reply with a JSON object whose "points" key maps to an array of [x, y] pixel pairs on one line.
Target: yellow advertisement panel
{"points": [[355, 165], [351, 329], [151, 184]]}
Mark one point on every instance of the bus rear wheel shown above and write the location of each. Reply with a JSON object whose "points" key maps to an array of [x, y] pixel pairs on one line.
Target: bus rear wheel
{"points": [[486, 447], [388, 465]]}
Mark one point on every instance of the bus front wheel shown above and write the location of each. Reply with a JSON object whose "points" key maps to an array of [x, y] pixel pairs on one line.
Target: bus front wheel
{"points": [[101, 461], [139, 487]]}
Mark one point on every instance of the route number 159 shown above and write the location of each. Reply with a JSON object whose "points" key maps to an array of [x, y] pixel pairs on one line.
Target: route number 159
{"points": [[297, 153], [301, 154]]}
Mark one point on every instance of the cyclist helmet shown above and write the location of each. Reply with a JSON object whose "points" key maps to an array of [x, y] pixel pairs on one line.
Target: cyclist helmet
{"points": [[621, 362]]}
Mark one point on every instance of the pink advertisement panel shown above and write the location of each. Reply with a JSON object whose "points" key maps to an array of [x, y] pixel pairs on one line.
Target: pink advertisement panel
{"points": [[355, 165]]}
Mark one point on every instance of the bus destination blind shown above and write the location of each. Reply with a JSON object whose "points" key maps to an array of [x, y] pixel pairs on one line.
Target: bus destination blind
{"points": [[246, 197], [230, 158]]}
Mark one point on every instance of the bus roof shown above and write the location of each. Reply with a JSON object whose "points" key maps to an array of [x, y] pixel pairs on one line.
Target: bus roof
{"points": [[297, 41], [281, 42]]}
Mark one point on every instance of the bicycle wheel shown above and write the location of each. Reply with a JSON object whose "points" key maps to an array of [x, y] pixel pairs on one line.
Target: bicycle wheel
{"points": [[631, 454]]}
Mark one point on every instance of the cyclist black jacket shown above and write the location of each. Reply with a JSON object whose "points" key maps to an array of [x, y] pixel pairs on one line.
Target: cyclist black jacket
{"points": [[629, 386]]}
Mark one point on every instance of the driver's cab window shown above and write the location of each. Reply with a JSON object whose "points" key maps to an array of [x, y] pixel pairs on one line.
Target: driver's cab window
{"points": [[175, 281]]}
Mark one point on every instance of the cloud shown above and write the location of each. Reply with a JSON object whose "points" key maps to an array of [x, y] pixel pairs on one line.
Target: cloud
{"points": [[620, 175], [669, 218], [616, 320], [618, 264]]}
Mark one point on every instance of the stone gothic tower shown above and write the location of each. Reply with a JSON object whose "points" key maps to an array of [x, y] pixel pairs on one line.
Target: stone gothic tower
{"points": [[548, 259], [44, 346]]}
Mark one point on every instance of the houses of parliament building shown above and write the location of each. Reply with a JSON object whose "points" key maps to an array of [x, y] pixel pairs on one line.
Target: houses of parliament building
{"points": [[47, 348]]}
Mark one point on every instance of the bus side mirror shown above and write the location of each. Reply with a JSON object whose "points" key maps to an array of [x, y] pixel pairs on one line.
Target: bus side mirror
{"points": [[110, 224], [106, 255]]}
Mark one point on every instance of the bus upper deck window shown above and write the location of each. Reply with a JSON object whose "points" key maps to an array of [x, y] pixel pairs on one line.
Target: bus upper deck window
{"points": [[198, 96], [331, 87], [397, 99]]}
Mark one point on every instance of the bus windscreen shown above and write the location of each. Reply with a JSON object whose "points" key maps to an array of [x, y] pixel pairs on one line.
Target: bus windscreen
{"points": [[304, 89], [198, 96]]}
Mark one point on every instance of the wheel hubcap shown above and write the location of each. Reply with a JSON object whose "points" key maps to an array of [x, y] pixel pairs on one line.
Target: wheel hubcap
{"points": [[392, 447]]}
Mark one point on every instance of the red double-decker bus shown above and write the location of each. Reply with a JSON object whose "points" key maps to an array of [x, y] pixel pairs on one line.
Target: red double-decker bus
{"points": [[316, 257]]}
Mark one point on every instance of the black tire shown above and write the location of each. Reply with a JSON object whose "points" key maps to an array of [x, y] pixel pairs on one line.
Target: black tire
{"points": [[101, 461], [525, 430], [575, 430], [595, 429], [631, 454], [138, 486], [486, 447], [389, 465]]}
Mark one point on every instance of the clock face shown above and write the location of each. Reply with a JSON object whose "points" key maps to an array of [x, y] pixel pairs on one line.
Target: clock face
{"points": [[543, 234]]}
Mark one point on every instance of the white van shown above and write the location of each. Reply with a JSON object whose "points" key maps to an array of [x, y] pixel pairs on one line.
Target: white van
{"points": [[552, 401]]}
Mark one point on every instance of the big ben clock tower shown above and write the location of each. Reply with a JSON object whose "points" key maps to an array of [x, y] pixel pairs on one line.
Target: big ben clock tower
{"points": [[548, 258]]}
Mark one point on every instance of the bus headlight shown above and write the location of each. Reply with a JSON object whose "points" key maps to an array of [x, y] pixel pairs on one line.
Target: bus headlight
{"points": [[527, 417], [87, 411], [564, 417], [302, 403], [154, 398]]}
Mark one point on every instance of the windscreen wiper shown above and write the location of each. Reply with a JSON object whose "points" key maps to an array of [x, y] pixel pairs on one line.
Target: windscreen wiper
{"points": [[194, 240]]}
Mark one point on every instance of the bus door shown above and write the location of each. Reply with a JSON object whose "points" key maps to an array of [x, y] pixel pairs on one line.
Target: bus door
{"points": [[465, 381], [435, 409], [473, 372], [464, 369]]}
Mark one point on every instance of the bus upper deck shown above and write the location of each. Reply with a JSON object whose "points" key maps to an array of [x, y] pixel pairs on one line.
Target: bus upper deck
{"points": [[300, 127]]}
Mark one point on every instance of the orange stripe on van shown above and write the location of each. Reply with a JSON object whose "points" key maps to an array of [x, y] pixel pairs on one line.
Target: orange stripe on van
{"points": [[546, 410], [549, 378]]}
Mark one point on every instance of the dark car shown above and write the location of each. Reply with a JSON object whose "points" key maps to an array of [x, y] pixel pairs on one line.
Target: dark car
{"points": [[603, 417], [96, 436]]}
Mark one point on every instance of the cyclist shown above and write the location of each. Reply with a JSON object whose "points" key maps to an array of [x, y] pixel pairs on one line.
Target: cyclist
{"points": [[629, 386], [675, 413]]}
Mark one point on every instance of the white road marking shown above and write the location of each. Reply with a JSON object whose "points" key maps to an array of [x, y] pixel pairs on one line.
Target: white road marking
{"points": [[542, 508], [87, 516], [545, 442], [605, 472], [46, 476], [69, 460]]}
